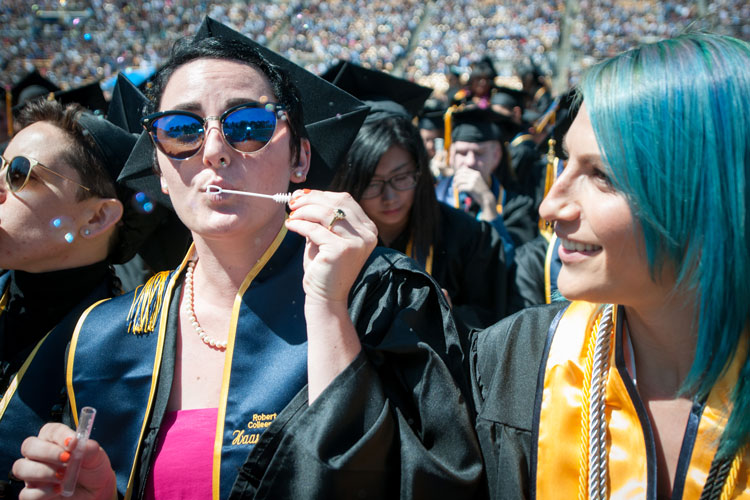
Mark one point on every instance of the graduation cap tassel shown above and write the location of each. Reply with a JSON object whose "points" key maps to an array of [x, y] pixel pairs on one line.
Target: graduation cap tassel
{"points": [[448, 121], [147, 304], [545, 228]]}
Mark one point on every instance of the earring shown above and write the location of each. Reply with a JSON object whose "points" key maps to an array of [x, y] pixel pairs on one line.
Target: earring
{"points": [[298, 174], [223, 162], [86, 232]]}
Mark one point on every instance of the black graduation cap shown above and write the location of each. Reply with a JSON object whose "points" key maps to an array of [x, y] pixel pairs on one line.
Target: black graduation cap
{"points": [[431, 116], [115, 145], [507, 97], [378, 89], [331, 118], [31, 86], [483, 68], [476, 124], [89, 96], [127, 105], [162, 238], [113, 142]]}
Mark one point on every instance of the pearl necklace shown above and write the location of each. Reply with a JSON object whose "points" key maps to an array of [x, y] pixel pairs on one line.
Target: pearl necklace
{"points": [[190, 310]]}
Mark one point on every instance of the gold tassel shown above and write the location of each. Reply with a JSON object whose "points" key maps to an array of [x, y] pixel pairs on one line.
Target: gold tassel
{"points": [[448, 122], [545, 228], [146, 305]]}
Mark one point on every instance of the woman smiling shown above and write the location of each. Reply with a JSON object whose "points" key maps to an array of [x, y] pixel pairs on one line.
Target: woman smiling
{"points": [[638, 388]]}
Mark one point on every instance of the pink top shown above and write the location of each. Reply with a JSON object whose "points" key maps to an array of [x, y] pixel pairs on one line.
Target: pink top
{"points": [[184, 456]]}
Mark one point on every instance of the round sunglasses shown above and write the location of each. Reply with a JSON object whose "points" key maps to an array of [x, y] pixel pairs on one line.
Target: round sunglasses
{"points": [[246, 128], [18, 171]]}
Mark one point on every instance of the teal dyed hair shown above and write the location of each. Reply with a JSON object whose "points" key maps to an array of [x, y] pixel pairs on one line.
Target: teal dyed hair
{"points": [[673, 122]]}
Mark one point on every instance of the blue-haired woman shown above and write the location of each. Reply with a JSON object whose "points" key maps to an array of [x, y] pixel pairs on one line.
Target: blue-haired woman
{"points": [[638, 387]]}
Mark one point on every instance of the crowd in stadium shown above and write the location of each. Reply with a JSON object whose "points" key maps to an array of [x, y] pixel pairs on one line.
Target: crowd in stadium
{"points": [[72, 42]]}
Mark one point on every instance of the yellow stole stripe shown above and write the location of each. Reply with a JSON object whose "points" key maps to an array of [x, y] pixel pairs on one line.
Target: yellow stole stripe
{"points": [[219, 437], [155, 372], [71, 357], [521, 138], [17, 378], [558, 445], [410, 252], [4, 300]]}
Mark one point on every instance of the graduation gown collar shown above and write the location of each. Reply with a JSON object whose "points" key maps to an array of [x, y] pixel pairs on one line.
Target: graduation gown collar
{"points": [[631, 455]]}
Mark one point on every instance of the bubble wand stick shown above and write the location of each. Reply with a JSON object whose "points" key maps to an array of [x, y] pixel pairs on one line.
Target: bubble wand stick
{"points": [[278, 197], [85, 423]]}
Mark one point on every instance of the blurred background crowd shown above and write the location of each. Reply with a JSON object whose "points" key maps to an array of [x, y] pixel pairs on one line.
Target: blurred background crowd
{"points": [[73, 42]]}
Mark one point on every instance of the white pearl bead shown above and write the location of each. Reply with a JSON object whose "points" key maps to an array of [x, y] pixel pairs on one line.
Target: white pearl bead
{"points": [[189, 308]]}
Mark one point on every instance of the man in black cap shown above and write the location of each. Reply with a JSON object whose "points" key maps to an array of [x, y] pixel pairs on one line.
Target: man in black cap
{"points": [[482, 179], [526, 161], [431, 127], [60, 230]]}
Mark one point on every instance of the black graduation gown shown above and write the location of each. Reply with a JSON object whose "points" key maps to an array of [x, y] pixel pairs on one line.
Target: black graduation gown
{"points": [[393, 424], [528, 274], [505, 362], [31, 361], [534, 274], [529, 167], [468, 262]]}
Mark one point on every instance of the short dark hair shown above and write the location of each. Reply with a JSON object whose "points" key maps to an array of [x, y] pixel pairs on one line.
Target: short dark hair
{"points": [[285, 92], [371, 143], [84, 155]]}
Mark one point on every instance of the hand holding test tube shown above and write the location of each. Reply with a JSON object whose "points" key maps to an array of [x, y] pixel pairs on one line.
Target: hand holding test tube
{"points": [[85, 423]]}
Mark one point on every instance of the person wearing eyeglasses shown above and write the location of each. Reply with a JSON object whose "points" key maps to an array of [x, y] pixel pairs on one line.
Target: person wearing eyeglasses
{"points": [[387, 172], [284, 357], [61, 230]]}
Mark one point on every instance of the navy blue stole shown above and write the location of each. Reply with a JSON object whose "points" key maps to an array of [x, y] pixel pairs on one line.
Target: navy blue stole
{"points": [[266, 365], [36, 387]]}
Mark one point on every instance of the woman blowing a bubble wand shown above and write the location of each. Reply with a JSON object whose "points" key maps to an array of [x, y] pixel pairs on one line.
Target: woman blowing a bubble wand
{"points": [[294, 362]]}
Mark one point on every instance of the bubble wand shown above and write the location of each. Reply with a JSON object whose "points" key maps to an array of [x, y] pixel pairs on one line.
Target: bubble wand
{"points": [[278, 197], [85, 423]]}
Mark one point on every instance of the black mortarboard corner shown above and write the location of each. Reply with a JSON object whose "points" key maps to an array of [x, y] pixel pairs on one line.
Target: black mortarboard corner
{"points": [[115, 145], [31, 86], [474, 124], [164, 237], [431, 116], [507, 97], [127, 105], [89, 96], [483, 68], [331, 118], [379, 90]]}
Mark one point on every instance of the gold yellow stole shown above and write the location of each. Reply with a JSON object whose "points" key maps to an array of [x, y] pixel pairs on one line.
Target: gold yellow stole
{"points": [[560, 424]]}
